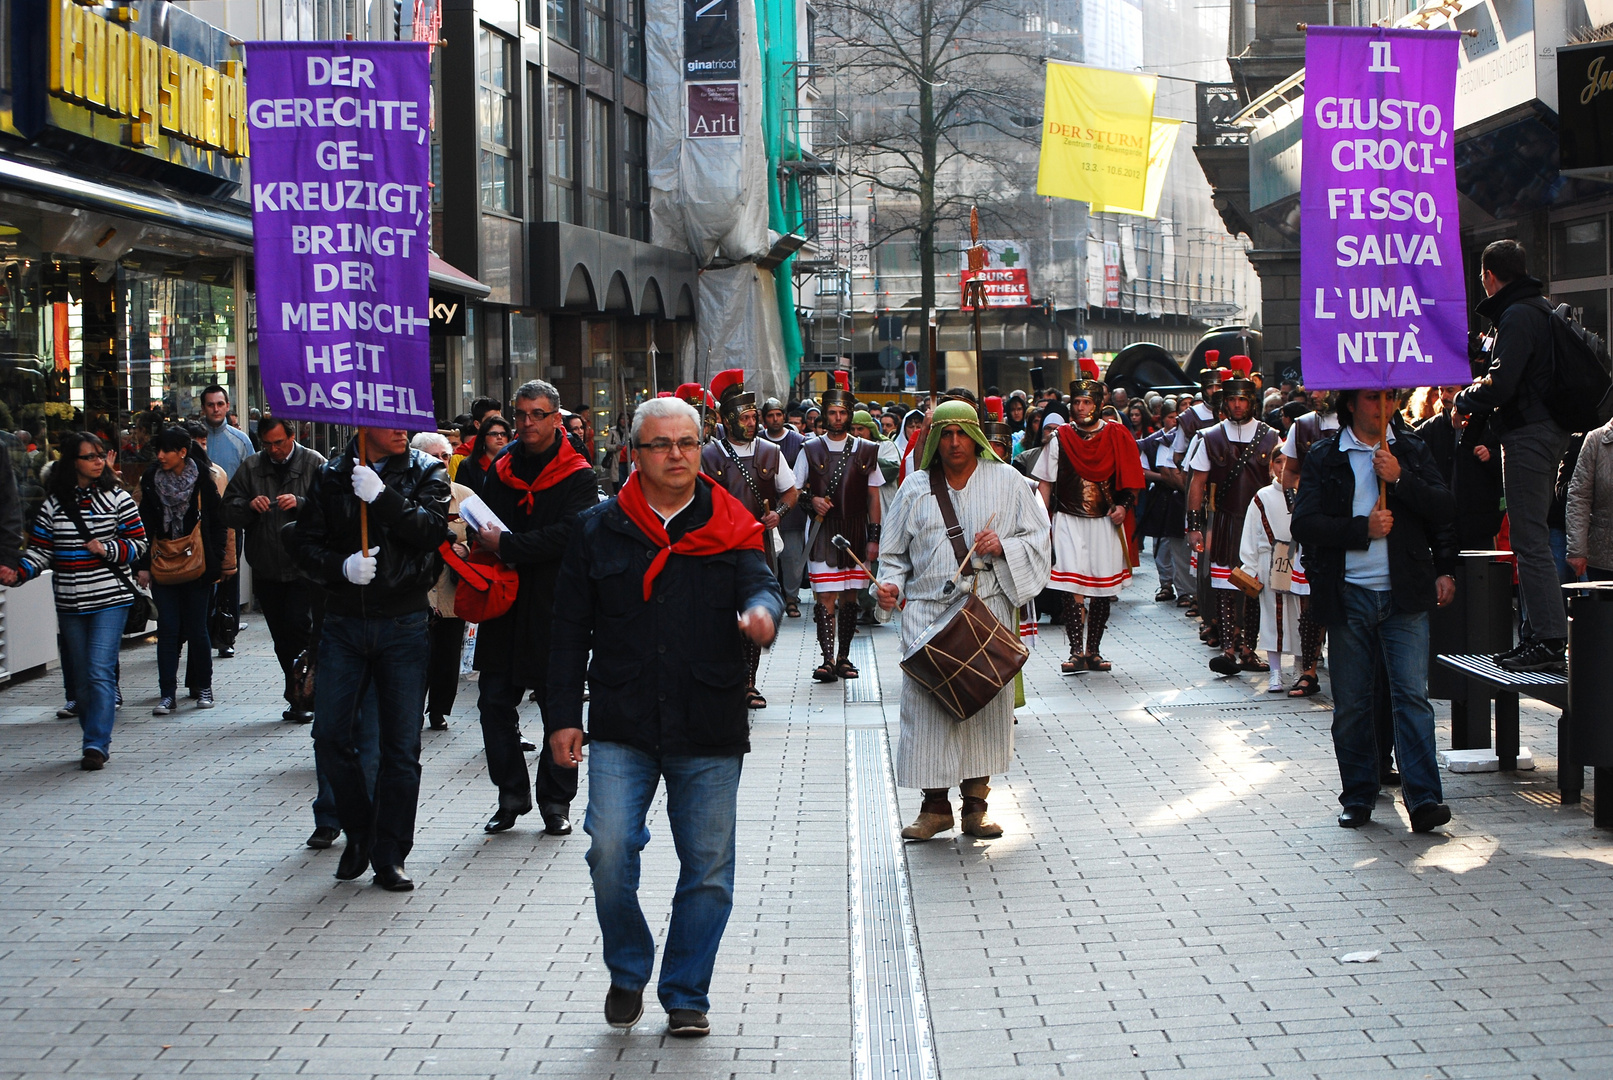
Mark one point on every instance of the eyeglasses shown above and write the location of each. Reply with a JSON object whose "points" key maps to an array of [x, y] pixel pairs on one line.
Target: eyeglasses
{"points": [[533, 416], [663, 447], [92, 457], [496, 433]]}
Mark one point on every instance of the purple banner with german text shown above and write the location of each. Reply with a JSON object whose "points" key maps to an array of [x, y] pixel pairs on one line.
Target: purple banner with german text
{"points": [[342, 231], [1382, 302]]}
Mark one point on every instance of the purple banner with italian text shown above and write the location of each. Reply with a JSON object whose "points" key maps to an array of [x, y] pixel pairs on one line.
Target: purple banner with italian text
{"points": [[341, 164], [1382, 302]]}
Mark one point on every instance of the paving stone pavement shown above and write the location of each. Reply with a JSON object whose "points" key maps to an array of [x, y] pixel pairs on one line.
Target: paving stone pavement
{"points": [[1172, 898]]}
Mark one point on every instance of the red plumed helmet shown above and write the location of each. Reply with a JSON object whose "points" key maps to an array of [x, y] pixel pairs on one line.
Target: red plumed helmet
{"points": [[843, 380], [1241, 363], [692, 392], [1226, 373], [1090, 366], [721, 381], [994, 408], [711, 402], [665, 393], [1212, 357]]}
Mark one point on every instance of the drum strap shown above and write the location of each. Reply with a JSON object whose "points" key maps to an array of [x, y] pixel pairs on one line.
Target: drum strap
{"points": [[949, 515]]}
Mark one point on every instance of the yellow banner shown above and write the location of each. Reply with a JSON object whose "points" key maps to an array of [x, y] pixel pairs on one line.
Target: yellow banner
{"points": [[1095, 135], [1160, 146]]}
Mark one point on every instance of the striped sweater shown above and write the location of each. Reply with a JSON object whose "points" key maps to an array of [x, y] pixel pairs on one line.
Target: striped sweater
{"points": [[84, 582]]}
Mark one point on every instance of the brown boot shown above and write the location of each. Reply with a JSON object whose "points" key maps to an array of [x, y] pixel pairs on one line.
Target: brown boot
{"points": [[935, 816], [975, 822]]}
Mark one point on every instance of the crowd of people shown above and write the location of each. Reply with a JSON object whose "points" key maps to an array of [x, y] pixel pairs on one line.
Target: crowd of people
{"points": [[644, 571]]}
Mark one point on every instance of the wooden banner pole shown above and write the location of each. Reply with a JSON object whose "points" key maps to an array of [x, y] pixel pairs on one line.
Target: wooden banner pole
{"points": [[363, 507]]}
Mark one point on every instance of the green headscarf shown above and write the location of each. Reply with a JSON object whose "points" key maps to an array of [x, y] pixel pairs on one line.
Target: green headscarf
{"points": [[960, 414], [865, 418]]}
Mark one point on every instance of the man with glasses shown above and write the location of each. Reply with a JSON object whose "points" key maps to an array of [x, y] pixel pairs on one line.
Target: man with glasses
{"points": [[664, 584], [536, 487], [263, 496]]}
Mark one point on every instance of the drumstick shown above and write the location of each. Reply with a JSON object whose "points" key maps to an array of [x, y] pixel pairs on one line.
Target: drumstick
{"points": [[844, 545], [946, 590]]}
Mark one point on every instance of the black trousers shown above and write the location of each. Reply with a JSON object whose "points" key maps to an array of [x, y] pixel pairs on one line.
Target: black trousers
{"points": [[442, 680], [499, 703], [288, 610]]}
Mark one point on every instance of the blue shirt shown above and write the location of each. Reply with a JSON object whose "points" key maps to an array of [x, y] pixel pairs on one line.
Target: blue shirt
{"points": [[1367, 569], [227, 447]]}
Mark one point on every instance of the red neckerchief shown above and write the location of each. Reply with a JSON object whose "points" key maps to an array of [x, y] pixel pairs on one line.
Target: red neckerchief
{"points": [[731, 528], [566, 462], [1107, 455]]}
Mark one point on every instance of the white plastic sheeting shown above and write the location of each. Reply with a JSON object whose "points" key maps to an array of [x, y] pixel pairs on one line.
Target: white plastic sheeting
{"points": [[709, 194], [738, 327]]}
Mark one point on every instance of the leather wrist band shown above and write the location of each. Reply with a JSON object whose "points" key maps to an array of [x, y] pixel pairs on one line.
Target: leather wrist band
{"points": [[871, 532], [1195, 521]]}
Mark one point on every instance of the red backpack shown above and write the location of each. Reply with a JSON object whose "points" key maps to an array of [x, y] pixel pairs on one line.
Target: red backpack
{"points": [[487, 587]]}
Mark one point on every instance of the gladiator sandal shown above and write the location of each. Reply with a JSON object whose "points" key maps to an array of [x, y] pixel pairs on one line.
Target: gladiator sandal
{"points": [[1097, 619], [935, 816], [848, 629], [975, 822], [825, 672], [753, 660], [1075, 616]]}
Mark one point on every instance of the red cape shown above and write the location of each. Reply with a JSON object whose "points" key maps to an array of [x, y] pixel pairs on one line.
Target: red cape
{"points": [[731, 528], [566, 462], [1110, 455]]}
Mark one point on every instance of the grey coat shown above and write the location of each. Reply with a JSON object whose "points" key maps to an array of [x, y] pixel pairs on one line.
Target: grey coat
{"points": [[265, 551], [1590, 501]]}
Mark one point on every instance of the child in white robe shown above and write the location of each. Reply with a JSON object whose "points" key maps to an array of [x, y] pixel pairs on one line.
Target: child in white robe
{"points": [[1265, 533]]}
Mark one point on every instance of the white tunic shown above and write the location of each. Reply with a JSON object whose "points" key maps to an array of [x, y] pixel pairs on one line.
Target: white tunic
{"points": [[935, 750], [1279, 612], [1090, 556]]}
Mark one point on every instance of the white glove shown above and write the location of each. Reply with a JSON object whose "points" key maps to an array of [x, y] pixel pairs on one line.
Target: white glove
{"points": [[366, 481], [358, 567]]}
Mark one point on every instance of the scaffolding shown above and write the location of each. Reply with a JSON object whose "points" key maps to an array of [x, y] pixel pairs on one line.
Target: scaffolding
{"points": [[817, 134]]}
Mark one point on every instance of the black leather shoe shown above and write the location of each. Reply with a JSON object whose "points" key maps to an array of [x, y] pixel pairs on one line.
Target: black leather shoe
{"points": [[355, 858], [1430, 816], [501, 821], [323, 837], [1354, 817], [393, 879], [687, 1024], [527, 745], [623, 1008], [556, 823], [1388, 778]]}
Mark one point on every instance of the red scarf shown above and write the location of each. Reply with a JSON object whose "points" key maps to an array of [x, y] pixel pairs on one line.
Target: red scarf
{"points": [[566, 462], [1110, 454], [731, 528]]}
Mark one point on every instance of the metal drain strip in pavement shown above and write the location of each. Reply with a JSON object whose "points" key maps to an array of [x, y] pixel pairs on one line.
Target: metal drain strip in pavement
{"points": [[890, 1017], [864, 689]]}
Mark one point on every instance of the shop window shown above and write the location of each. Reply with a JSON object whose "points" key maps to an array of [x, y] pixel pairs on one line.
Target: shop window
{"points": [[1579, 248], [496, 107], [561, 16], [1589, 308], [599, 159], [638, 178], [633, 40], [596, 30], [523, 348], [561, 152]]}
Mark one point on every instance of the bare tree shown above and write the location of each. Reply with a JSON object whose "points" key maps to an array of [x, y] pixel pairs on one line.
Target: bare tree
{"points": [[947, 97]]}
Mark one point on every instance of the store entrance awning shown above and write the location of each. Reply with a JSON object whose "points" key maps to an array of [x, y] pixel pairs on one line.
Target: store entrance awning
{"points": [[452, 279]]}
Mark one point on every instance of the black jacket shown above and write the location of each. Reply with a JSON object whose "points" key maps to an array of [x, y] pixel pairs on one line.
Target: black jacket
{"points": [[1519, 380], [258, 475], [211, 508], [1475, 484], [669, 675], [518, 641], [407, 522], [1421, 544]]}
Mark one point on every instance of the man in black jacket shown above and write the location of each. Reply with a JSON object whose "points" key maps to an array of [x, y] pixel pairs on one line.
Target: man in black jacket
{"points": [[662, 582], [1375, 572], [537, 486], [374, 633], [1517, 387]]}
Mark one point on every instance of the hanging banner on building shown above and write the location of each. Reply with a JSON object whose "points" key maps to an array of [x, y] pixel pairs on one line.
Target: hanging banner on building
{"points": [[1382, 302], [713, 110], [1111, 274], [341, 227], [1161, 145], [1006, 274], [710, 39], [1096, 131]]}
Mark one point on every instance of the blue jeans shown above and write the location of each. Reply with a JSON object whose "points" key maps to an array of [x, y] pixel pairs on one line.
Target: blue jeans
{"points": [[1372, 628], [182, 620], [92, 639], [701, 793], [367, 740], [356, 653]]}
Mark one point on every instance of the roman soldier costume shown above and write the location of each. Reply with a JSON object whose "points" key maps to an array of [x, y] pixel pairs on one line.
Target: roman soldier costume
{"points": [[1091, 469], [840, 468], [754, 472], [1309, 429], [1236, 458], [793, 523]]}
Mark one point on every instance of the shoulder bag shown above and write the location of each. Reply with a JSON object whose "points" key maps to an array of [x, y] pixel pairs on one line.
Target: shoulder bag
{"points": [[966, 656], [183, 560]]}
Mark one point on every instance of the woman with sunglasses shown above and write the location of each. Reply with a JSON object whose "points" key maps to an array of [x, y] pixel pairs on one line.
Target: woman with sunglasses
{"points": [[491, 439], [90, 534]]}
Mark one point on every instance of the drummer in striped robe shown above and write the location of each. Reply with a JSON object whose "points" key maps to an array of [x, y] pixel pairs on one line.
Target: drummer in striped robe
{"points": [[1089, 477], [1005, 523]]}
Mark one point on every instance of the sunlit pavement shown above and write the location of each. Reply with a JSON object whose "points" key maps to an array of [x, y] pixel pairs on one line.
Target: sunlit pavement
{"points": [[1171, 897]]}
